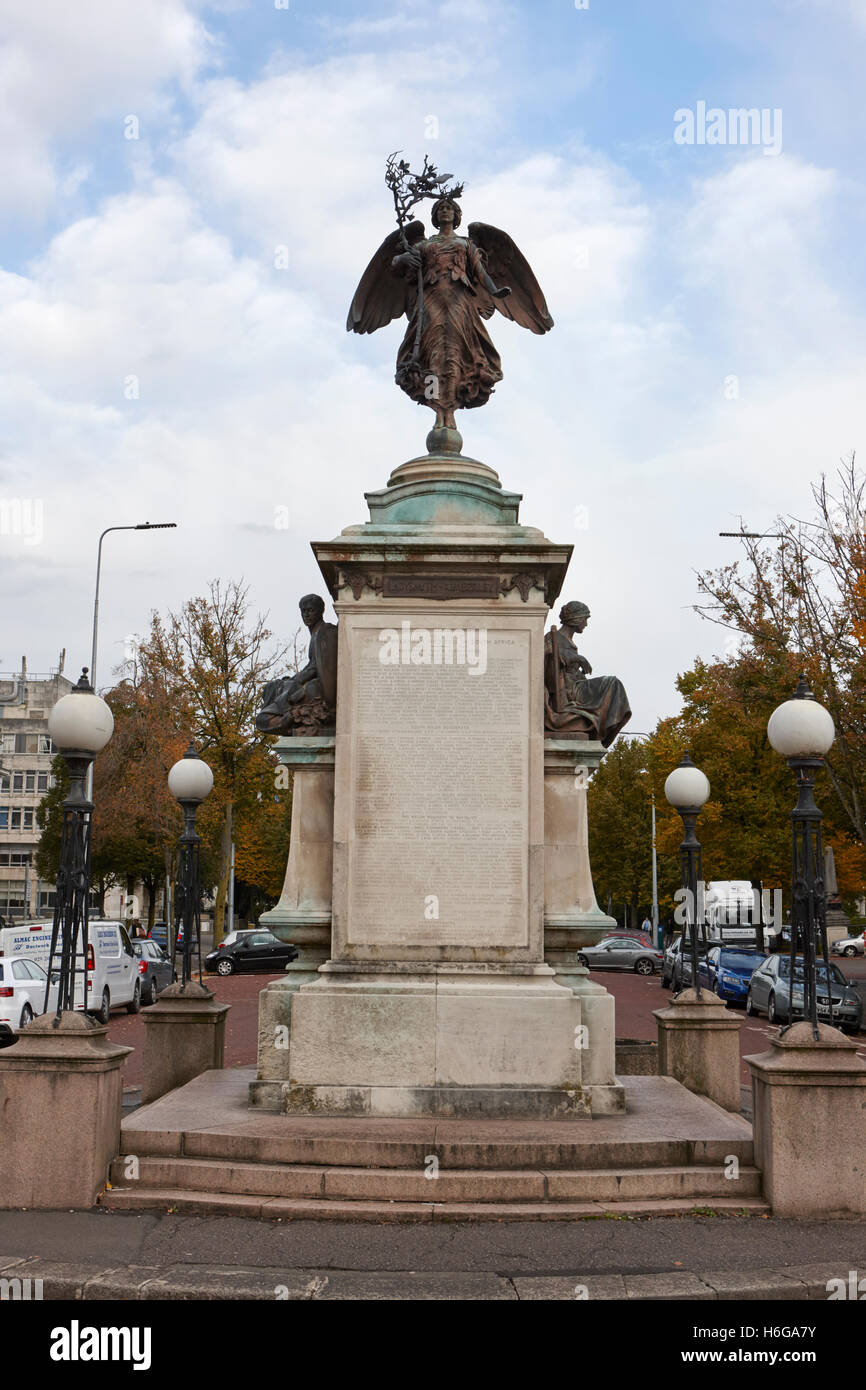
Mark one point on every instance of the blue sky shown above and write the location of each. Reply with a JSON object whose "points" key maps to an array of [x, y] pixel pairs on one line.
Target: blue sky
{"points": [[672, 272]]}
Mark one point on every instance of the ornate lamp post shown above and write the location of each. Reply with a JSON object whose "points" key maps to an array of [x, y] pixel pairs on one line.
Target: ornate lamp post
{"points": [[80, 725], [802, 731], [190, 781], [687, 789]]}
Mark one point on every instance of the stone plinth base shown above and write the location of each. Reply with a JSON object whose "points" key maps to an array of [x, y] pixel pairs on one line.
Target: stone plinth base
{"points": [[810, 1123], [60, 1101], [572, 916], [456, 1039], [303, 914], [184, 1035], [699, 1045]]}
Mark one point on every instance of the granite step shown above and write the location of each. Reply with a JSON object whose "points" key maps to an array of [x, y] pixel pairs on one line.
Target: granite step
{"points": [[204, 1176], [403, 1144], [306, 1209]]}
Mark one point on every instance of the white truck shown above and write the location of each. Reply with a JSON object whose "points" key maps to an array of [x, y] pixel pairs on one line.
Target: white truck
{"points": [[113, 977]]}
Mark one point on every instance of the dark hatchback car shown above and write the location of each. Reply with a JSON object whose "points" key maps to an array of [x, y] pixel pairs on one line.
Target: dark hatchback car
{"points": [[258, 950], [154, 968], [728, 969]]}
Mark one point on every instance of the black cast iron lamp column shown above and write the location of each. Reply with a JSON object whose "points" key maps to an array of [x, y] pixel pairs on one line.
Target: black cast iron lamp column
{"points": [[687, 789], [190, 781], [802, 731], [80, 725]]}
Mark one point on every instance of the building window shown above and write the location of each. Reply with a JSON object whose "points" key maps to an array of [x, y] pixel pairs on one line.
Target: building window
{"points": [[45, 744], [15, 819], [11, 897], [30, 781], [7, 743], [17, 781], [42, 782], [4, 783], [4, 817], [28, 820]]}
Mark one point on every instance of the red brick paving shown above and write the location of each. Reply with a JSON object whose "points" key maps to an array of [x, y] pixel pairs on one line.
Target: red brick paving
{"points": [[636, 998], [241, 991]]}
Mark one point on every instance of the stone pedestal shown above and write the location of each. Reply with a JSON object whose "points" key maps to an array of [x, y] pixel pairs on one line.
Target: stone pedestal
{"points": [[184, 1035], [303, 914], [810, 1123], [60, 1110], [572, 916], [699, 1045], [436, 998]]}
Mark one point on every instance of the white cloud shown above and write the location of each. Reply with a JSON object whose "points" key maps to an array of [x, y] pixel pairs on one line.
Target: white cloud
{"points": [[252, 395], [65, 66]]}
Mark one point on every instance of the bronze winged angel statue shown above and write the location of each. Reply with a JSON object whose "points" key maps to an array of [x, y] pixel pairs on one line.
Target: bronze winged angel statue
{"points": [[447, 286]]}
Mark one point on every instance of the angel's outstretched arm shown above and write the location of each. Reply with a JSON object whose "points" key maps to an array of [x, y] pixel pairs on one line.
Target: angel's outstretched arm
{"points": [[500, 292]]}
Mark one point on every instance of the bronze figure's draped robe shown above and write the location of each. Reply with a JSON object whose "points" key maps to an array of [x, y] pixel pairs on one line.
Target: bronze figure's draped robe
{"points": [[446, 286], [595, 706], [457, 365]]}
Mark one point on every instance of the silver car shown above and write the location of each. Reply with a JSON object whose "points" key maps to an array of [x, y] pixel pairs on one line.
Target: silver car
{"points": [[848, 946], [621, 953], [769, 993]]}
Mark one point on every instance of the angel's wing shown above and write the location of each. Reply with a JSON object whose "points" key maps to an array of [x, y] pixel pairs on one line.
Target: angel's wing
{"points": [[507, 265], [384, 293]]}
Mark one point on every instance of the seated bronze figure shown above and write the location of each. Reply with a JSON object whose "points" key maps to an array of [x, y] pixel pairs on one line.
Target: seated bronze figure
{"points": [[305, 703], [576, 703]]}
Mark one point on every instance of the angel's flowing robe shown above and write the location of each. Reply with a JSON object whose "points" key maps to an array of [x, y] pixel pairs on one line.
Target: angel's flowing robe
{"points": [[457, 365]]}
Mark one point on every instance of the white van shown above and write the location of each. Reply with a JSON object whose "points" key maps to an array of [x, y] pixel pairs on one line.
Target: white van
{"points": [[113, 977]]}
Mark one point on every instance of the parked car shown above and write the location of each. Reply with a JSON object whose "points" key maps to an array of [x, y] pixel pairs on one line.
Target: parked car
{"points": [[728, 969], [255, 950], [159, 934], [769, 993], [154, 968], [22, 994], [676, 966], [111, 966], [849, 946], [642, 936], [234, 936], [621, 953]]}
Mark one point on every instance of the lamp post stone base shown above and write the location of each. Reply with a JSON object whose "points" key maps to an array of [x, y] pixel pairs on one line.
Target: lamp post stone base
{"points": [[699, 1045], [184, 1035], [810, 1123], [61, 1095]]}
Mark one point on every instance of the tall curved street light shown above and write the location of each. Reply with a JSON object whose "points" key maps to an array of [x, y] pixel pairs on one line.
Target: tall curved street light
{"points": [[141, 526], [802, 731], [632, 733], [687, 789]]}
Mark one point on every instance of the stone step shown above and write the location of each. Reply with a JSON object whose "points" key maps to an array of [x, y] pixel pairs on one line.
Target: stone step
{"points": [[195, 1175], [301, 1209], [457, 1145]]}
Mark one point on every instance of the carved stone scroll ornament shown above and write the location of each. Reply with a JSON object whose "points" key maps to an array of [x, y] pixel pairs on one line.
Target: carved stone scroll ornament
{"points": [[522, 582], [357, 581]]}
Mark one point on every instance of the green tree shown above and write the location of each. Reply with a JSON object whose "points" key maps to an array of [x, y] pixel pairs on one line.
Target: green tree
{"points": [[214, 657]]}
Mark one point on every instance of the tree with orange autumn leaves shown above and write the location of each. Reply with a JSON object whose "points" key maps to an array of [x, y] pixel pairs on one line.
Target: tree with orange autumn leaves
{"points": [[798, 605], [197, 674]]}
